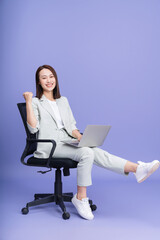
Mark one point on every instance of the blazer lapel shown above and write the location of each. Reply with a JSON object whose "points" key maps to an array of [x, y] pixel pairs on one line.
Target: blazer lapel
{"points": [[61, 109], [45, 104]]}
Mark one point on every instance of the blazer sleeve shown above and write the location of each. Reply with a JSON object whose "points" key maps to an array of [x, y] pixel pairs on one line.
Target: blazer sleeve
{"points": [[36, 113], [72, 119]]}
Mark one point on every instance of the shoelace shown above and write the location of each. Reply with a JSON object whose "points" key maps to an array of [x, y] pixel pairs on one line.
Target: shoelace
{"points": [[145, 165], [86, 203], [140, 162]]}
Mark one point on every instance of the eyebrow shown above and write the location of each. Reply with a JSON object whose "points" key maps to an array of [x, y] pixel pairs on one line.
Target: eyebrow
{"points": [[47, 75]]}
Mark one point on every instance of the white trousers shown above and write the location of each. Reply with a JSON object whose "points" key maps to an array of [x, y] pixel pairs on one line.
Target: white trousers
{"points": [[86, 157]]}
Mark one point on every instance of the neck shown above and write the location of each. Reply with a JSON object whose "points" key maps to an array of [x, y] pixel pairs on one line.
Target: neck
{"points": [[49, 95]]}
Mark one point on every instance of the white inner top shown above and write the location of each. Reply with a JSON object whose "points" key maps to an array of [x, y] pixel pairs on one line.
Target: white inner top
{"points": [[56, 113]]}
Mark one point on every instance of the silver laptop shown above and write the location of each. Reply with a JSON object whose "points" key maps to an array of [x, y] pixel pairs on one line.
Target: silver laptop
{"points": [[93, 136]]}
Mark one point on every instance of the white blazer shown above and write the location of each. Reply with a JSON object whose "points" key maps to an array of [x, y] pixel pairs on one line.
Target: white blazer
{"points": [[46, 127]]}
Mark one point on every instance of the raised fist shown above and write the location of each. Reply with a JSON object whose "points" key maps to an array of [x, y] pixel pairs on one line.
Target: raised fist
{"points": [[28, 96]]}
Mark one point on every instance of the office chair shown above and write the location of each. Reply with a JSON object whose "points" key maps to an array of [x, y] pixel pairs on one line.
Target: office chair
{"points": [[58, 197]]}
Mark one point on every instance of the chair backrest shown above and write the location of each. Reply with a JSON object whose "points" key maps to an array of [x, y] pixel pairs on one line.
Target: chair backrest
{"points": [[22, 110]]}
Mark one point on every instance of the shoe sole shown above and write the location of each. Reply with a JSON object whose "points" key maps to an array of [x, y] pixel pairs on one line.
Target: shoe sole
{"points": [[153, 169]]}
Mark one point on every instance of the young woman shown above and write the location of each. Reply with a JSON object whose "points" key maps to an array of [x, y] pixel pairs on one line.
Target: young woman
{"points": [[50, 115]]}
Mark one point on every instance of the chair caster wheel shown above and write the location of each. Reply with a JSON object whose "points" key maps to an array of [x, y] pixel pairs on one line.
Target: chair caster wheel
{"points": [[25, 210], [93, 207], [65, 215]]}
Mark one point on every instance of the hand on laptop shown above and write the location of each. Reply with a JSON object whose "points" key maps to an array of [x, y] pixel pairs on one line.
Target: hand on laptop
{"points": [[79, 137], [76, 134]]}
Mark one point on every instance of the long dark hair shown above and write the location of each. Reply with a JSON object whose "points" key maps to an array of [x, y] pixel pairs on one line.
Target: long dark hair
{"points": [[39, 89]]}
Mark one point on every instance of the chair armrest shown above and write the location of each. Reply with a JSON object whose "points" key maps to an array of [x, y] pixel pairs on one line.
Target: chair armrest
{"points": [[29, 142]]}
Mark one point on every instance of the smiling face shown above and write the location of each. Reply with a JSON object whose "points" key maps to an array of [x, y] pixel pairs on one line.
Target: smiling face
{"points": [[47, 80]]}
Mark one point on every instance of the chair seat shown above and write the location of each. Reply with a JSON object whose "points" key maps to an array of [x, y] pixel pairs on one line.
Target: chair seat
{"points": [[54, 163]]}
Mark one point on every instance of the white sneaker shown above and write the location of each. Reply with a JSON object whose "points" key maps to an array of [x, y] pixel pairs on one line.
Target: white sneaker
{"points": [[144, 170], [83, 207]]}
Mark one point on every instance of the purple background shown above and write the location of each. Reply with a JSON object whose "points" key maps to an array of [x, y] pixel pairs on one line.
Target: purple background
{"points": [[107, 57]]}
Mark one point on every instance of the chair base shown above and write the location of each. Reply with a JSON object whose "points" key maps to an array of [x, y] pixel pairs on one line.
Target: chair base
{"points": [[47, 198], [58, 197]]}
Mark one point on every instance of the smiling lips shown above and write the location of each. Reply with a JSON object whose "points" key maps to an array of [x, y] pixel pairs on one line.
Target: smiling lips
{"points": [[49, 85]]}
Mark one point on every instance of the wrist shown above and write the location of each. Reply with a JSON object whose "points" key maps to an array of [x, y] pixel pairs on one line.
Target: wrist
{"points": [[29, 102]]}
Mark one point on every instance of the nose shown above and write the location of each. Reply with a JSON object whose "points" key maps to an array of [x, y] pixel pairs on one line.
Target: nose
{"points": [[48, 80]]}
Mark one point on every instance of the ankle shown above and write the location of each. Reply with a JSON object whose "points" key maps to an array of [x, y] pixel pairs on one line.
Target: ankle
{"points": [[135, 170], [130, 167], [81, 196], [81, 192]]}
